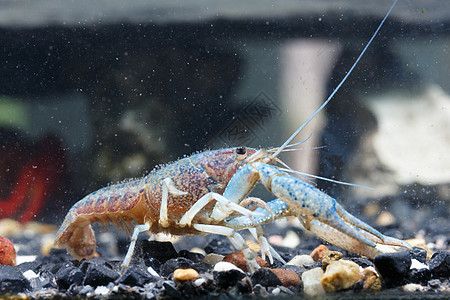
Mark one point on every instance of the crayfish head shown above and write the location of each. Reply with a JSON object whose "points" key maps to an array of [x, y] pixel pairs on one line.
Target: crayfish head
{"points": [[261, 155]]}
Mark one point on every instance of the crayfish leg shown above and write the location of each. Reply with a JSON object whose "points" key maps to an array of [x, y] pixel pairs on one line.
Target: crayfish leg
{"points": [[266, 248], [338, 238], [167, 187], [236, 240], [138, 229], [350, 243]]}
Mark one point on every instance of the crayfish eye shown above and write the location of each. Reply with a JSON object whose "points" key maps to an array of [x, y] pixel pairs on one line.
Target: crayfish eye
{"points": [[241, 150]]}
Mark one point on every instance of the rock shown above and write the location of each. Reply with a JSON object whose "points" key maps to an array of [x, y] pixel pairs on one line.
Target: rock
{"points": [[212, 258], [393, 267], [171, 292], [224, 266], [311, 282], [200, 281], [29, 274], [385, 219], [136, 276], [371, 279], [260, 291], [420, 243], [97, 261], [175, 263], [265, 277], [412, 287], [97, 275], [418, 275], [7, 252], [330, 256], [219, 246], [275, 240], [185, 274], [162, 251], [439, 264], [45, 280], [419, 254], [298, 270], [12, 280], [37, 228], [372, 209], [362, 262], [195, 257], [276, 292], [30, 265], [301, 260], [238, 259], [10, 227], [285, 290], [340, 275], [101, 291], [434, 283], [68, 275], [287, 277], [152, 272], [197, 250], [230, 278], [317, 253], [291, 240]]}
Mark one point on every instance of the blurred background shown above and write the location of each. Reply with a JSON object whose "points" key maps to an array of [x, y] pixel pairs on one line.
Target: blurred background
{"points": [[93, 92]]}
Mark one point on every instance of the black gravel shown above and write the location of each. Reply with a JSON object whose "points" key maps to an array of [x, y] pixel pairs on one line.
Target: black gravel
{"points": [[58, 275], [12, 280], [440, 264], [393, 267]]}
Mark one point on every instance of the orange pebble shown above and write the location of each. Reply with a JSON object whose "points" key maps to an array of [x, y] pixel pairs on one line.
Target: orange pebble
{"points": [[185, 274], [317, 253], [287, 277], [238, 259]]}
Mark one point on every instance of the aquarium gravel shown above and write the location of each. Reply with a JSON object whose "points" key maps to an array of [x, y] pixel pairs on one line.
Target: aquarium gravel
{"points": [[166, 270]]}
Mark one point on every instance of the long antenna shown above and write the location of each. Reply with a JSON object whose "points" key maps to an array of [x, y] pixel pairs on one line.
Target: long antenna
{"points": [[335, 90]]}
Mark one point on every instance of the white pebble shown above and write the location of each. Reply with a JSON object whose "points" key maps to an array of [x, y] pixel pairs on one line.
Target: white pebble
{"points": [[415, 264], [413, 287], [212, 258], [300, 260], [101, 290], [311, 282], [152, 272], [30, 274], [198, 250], [441, 243], [224, 266], [372, 269], [199, 281], [20, 259], [291, 240], [276, 291]]}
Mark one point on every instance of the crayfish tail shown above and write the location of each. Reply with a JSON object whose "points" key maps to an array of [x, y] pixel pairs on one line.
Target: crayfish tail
{"points": [[76, 236]]}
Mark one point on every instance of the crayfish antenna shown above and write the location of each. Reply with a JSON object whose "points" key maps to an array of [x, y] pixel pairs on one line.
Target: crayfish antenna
{"points": [[285, 144]]}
